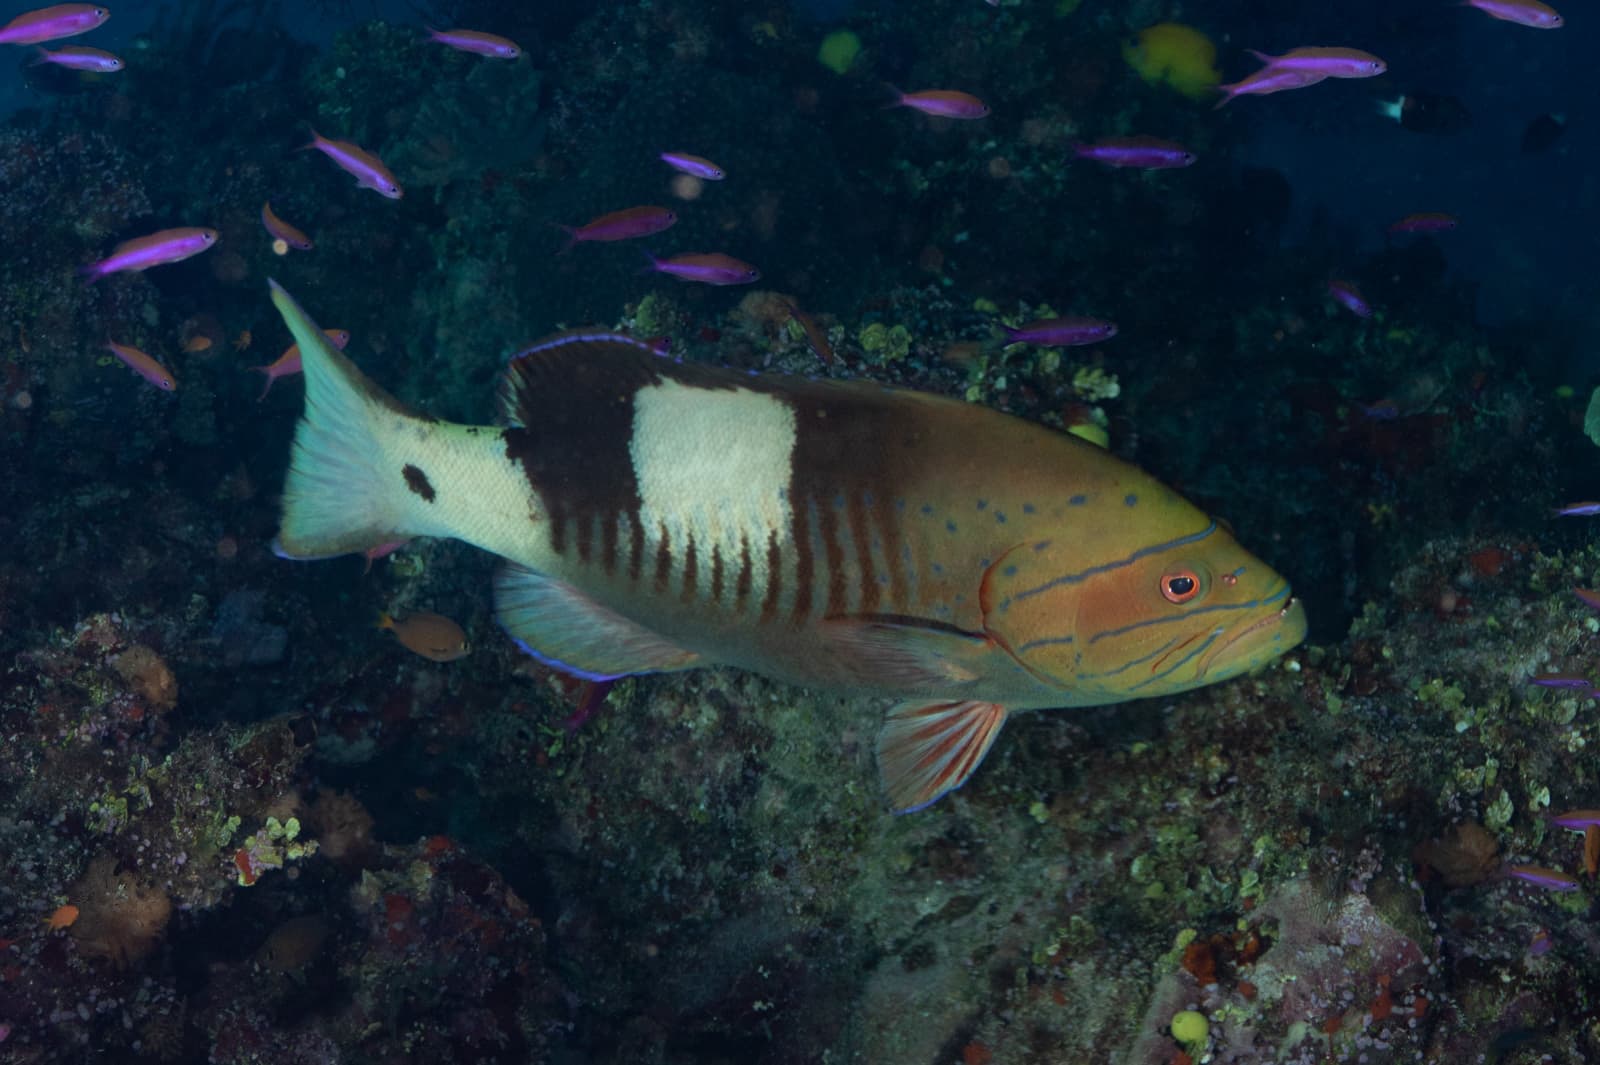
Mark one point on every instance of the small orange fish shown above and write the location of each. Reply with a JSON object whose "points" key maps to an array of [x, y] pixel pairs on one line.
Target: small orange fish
{"points": [[144, 366], [288, 364], [62, 917], [429, 635], [196, 344], [281, 230]]}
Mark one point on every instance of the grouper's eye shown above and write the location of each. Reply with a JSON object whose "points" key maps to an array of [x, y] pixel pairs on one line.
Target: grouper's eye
{"points": [[1180, 586]]}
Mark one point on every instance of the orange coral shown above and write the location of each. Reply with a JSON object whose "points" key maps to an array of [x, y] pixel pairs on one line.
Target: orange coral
{"points": [[149, 676], [1201, 961], [343, 828], [121, 919], [1467, 854]]}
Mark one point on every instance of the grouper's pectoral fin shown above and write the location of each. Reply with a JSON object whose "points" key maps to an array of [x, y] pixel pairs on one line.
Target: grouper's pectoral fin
{"points": [[928, 749], [908, 654], [565, 629]]}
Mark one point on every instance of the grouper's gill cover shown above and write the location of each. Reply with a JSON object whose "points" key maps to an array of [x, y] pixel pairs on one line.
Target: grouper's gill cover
{"points": [[656, 515]]}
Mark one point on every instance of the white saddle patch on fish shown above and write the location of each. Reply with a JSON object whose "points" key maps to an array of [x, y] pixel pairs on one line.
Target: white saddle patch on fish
{"points": [[713, 468]]}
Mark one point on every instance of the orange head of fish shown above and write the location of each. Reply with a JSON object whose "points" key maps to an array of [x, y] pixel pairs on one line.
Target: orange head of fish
{"points": [[1155, 602]]}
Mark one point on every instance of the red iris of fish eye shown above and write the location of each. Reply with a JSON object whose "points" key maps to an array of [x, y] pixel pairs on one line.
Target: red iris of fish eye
{"points": [[1180, 587]]}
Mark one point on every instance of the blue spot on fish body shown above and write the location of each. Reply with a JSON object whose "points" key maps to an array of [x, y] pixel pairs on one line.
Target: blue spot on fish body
{"points": [[1010, 571], [1027, 508], [1130, 499], [1077, 501], [982, 503], [950, 526], [1000, 517]]}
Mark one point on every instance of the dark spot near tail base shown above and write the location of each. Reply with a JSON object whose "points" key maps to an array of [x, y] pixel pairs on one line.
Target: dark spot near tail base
{"points": [[417, 481]]}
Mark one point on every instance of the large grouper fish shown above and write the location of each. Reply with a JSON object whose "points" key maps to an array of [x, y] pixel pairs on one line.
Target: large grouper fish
{"points": [[657, 515]]}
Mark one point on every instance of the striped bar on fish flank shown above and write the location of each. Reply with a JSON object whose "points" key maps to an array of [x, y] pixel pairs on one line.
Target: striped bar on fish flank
{"points": [[657, 515]]}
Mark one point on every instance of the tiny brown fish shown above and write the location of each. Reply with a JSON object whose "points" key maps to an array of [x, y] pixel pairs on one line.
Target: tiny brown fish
{"points": [[816, 336], [429, 635]]}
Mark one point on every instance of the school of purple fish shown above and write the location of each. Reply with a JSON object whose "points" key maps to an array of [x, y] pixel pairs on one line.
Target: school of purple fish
{"points": [[1297, 68]]}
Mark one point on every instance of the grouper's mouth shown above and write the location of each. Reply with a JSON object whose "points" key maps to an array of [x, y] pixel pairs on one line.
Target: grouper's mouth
{"points": [[1258, 640]]}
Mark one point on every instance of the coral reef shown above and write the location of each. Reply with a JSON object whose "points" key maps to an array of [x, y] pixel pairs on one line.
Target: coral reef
{"points": [[239, 824]]}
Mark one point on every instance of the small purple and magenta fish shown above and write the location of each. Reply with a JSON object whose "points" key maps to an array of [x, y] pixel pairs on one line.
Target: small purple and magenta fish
{"points": [[708, 268], [1425, 222], [281, 230], [626, 224], [1540, 876], [1589, 597], [157, 249], [53, 23], [1346, 295], [1565, 681], [1328, 62], [1140, 153], [366, 168], [77, 57], [697, 165], [1578, 510], [1266, 81], [1577, 820], [1522, 12], [144, 366], [1061, 332], [488, 45], [941, 103]]}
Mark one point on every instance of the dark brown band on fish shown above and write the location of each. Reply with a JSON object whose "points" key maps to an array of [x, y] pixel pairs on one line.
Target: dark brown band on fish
{"points": [[741, 583], [716, 573], [691, 569]]}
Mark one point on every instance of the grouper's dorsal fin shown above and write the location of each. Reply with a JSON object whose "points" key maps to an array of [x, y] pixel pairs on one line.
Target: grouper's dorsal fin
{"points": [[559, 364]]}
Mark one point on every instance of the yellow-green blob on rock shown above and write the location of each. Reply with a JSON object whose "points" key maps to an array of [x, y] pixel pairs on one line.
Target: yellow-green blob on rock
{"points": [[839, 51], [1191, 1029], [883, 343], [1175, 55], [1591, 418]]}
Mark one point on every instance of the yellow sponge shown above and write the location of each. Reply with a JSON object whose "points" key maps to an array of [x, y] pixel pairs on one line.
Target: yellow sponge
{"points": [[839, 50], [1175, 55]]}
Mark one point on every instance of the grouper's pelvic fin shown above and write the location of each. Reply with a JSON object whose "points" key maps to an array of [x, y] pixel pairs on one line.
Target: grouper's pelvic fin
{"points": [[346, 490]]}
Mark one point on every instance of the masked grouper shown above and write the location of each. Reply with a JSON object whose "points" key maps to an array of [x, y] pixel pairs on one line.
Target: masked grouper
{"points": [[657, 515]]}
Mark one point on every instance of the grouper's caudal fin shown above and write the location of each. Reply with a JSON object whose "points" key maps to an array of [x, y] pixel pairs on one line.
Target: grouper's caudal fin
{"points": [[350, 485]]}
